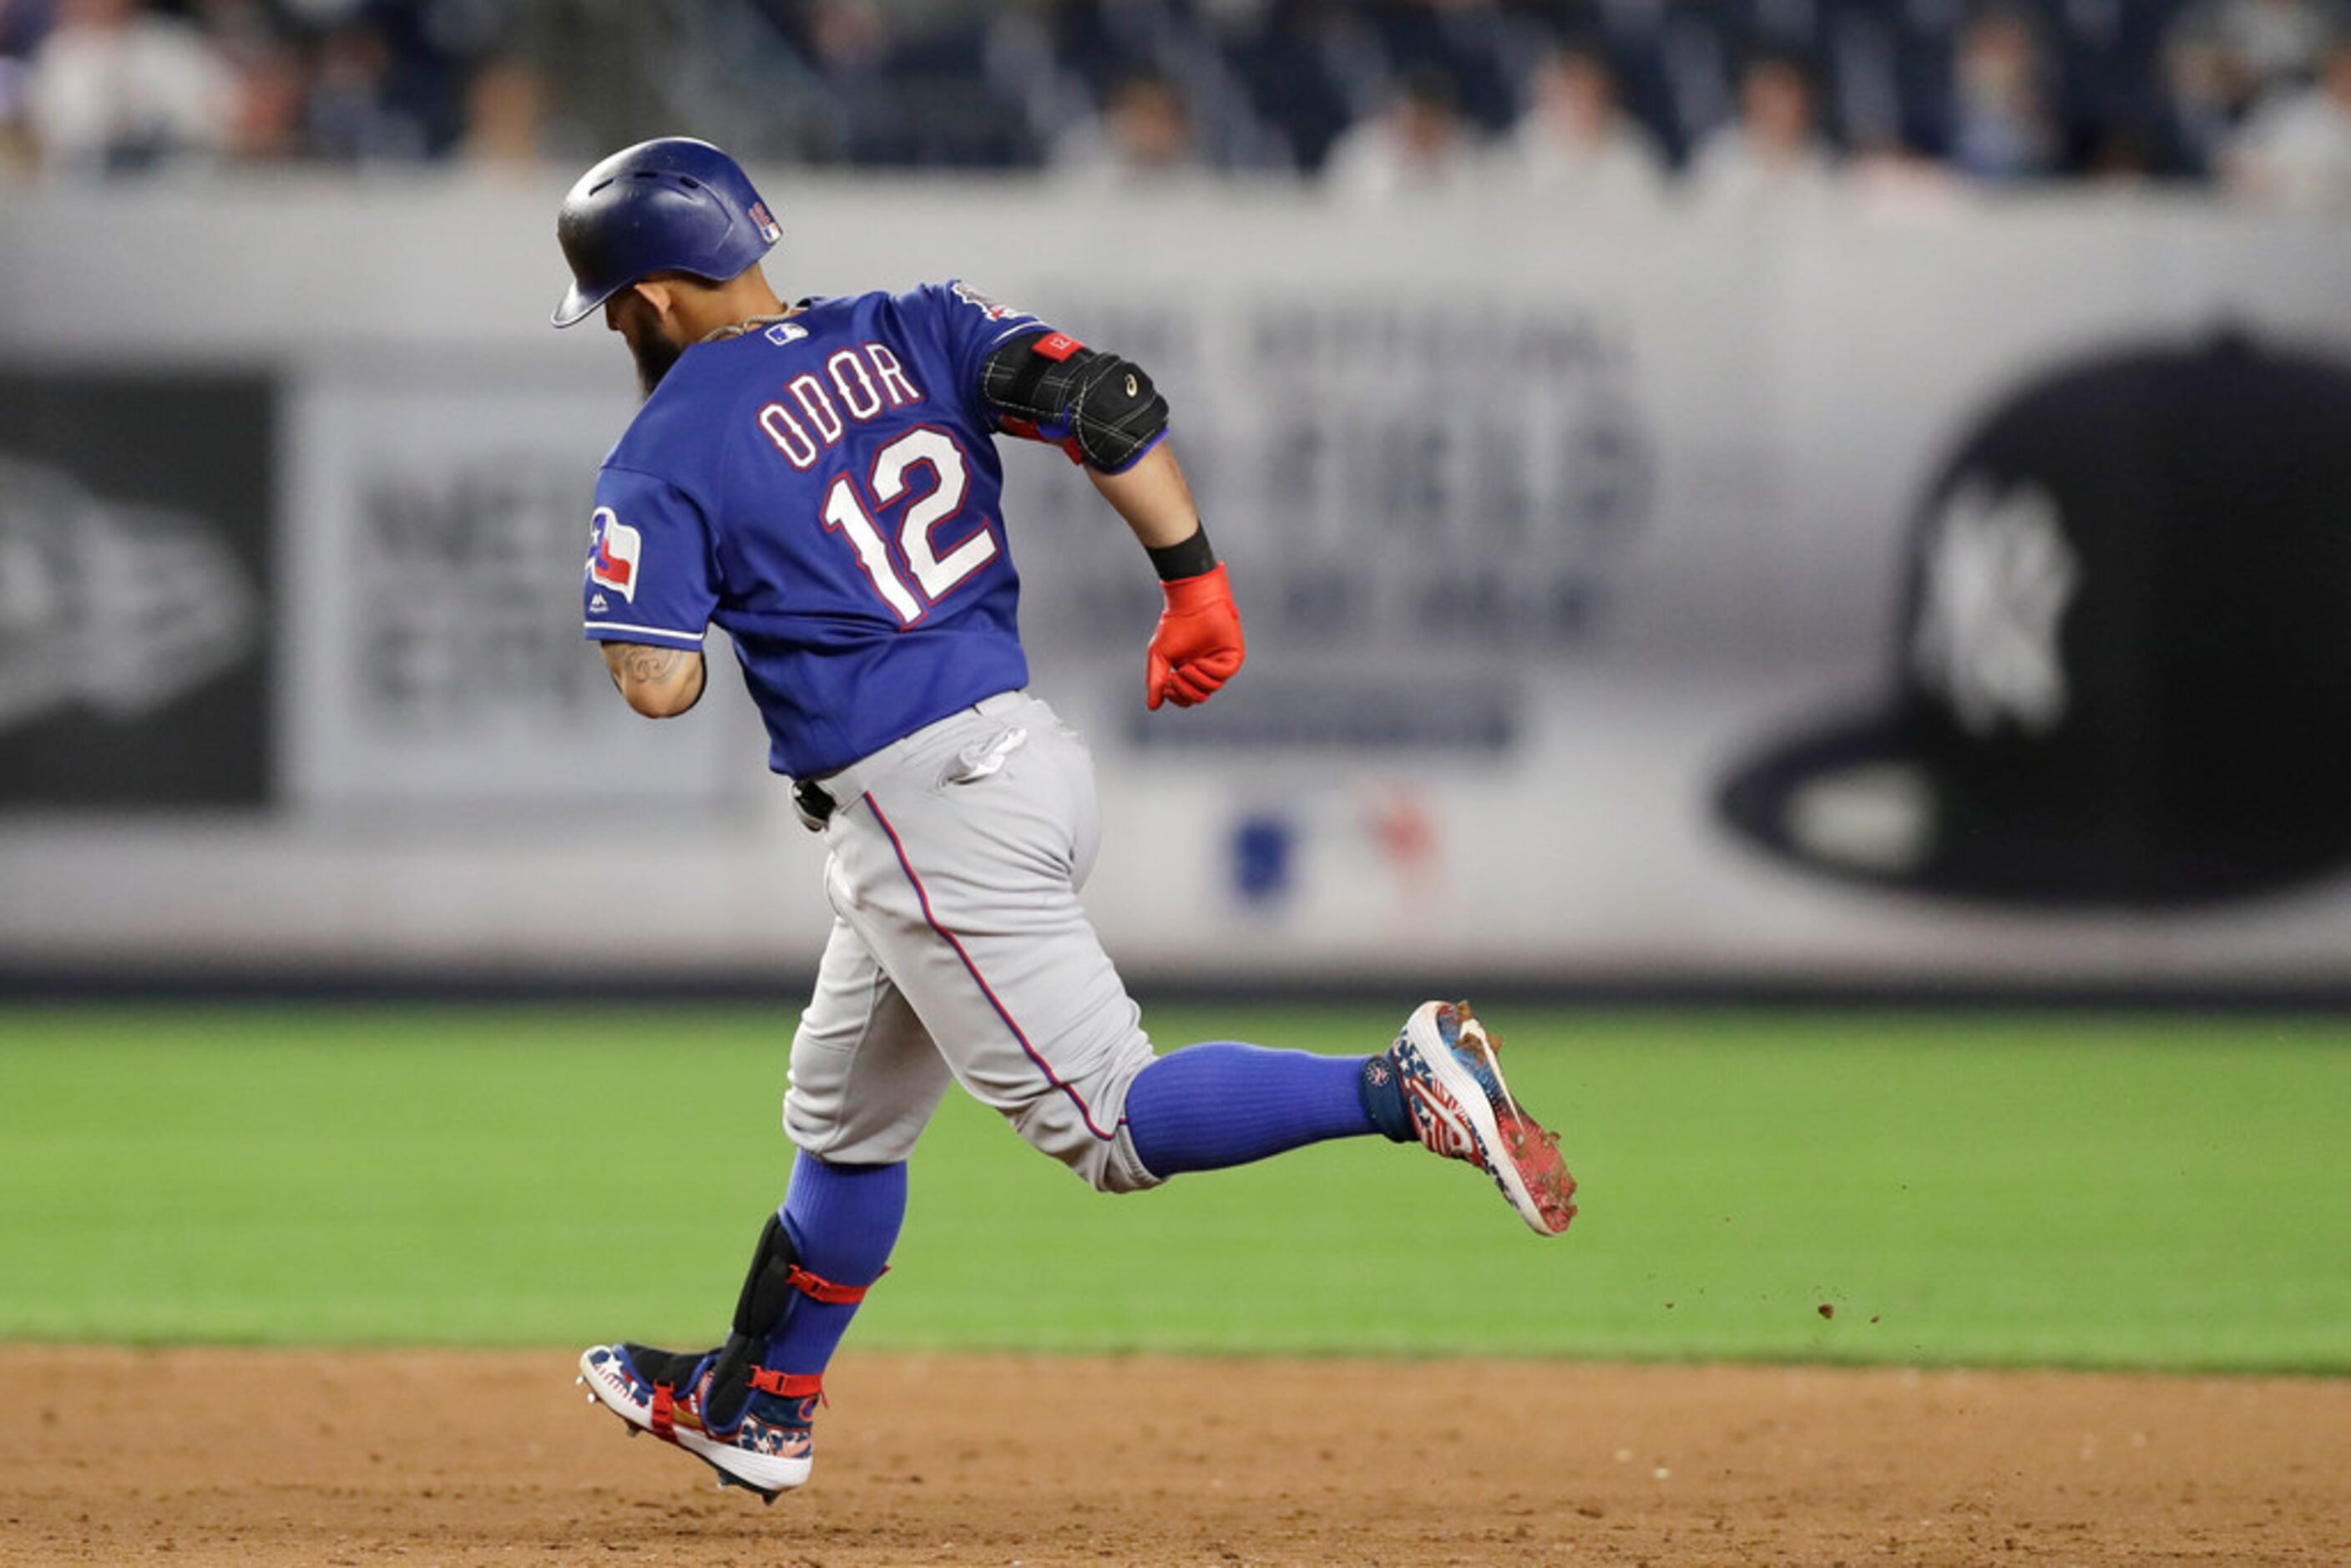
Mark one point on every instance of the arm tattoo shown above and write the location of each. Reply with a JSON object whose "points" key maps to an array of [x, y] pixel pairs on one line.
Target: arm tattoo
{"points": [[648, 666], [659, 676]]}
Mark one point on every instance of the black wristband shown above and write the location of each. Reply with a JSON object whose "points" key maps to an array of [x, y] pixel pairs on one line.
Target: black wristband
{"points": [[1191, 557]]}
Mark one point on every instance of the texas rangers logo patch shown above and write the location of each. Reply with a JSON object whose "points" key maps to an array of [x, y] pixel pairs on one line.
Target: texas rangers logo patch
{"points": [[983, 304], [619, 548]]}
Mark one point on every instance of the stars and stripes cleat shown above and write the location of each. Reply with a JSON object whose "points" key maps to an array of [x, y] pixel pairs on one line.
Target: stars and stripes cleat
{"points": [[1463, 1110], [662, 1392]]}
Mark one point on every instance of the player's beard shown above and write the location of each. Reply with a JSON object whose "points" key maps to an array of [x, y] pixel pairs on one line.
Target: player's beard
{"points": [[655, 355], [640, 327]]}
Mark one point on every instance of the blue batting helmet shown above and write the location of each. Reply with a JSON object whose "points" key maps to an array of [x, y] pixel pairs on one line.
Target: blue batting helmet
{"points": [[672, 204]]}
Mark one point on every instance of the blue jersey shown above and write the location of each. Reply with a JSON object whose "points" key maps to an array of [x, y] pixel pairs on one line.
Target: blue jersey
{"points": [[825, 489]]}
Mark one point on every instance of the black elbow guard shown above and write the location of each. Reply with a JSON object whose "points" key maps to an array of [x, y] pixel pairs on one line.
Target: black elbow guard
{"points": [[1047, 386]]}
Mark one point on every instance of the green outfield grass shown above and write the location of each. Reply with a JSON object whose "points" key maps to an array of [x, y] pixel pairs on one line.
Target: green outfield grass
{"points": [[2170, 1192]]}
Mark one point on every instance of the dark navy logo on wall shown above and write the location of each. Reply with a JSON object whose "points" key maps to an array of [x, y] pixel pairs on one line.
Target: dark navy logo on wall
{"points": [[135, 547], [2124, 672]]}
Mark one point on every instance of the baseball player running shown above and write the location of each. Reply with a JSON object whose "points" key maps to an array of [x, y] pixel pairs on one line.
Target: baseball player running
{"points": [[822, 480]]}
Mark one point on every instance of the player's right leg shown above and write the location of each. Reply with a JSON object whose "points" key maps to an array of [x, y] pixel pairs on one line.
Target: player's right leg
{"points": [[866, 1080]]}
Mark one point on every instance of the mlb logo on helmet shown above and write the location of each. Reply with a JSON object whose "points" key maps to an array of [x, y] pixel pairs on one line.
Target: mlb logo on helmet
{"points": [[619, 547], [2124, 671], [769, 229]]}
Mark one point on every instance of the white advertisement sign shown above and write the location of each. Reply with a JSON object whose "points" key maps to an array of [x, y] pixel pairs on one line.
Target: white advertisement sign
{"points": [[1546, 540], [438, 529]]}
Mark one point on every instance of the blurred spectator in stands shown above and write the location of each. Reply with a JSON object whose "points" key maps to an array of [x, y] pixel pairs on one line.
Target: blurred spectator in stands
{"points": [[2296, 152], [2005, 122], [868, 117], [1773, 155], [23, 25], [2222, 57], [351, 118], [272, 74], [1417, 144], [505, 114], [115, 87], [2264, 44], [273, 95], [845, 37], [241, 29], [1282, 56], [1576, 145], [2205, 94], [1143, 137], [319, 15]]}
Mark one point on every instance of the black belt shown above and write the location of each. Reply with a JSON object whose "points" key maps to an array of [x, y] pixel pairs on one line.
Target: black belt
{"points": [[814, 799]]}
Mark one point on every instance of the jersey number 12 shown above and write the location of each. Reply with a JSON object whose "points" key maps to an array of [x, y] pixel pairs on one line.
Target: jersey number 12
{"points": [[935, 574]]}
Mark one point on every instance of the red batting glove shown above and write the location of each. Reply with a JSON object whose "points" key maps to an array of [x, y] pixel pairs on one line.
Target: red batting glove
{"points": [[1197, 647]]}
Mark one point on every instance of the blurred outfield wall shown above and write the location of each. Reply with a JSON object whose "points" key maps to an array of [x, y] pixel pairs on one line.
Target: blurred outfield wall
{"points": [[1540, 532]]}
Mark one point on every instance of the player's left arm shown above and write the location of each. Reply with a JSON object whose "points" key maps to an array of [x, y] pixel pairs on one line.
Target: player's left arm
{"points": [[1197, 645], [1103, 409], [649, 589], [659, 683]]}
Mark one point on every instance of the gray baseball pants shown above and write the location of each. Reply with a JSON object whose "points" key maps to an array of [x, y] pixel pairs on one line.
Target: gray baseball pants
{"points": [[959, 952]]}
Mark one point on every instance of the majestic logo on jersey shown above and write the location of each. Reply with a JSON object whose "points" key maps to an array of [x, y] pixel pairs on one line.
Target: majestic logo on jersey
{"points": [[983, 304], [619, 547], [2000, 577]]}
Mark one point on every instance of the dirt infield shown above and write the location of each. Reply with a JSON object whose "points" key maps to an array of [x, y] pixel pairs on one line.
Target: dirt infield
{"points": [[262, 1459]]}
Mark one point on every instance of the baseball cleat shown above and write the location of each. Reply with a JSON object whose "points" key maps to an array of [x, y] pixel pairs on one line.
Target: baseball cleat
{"points": [[1463, 1110], [660, 1392]]}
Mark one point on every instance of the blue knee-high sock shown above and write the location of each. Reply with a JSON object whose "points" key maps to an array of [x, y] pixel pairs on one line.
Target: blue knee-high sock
{"points": [[844, 1222], [1225, 1104]]}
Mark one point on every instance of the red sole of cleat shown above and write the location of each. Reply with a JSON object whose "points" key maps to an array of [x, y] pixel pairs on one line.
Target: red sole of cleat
{"points": [[1536, 1154]]}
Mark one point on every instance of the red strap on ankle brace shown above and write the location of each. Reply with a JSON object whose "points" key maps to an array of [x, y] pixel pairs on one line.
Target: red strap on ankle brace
{"points": [[790, 1384], [665, 1400], [818, 1289]]}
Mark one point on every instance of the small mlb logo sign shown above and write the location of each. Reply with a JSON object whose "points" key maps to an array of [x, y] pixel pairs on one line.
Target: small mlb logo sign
{"points": [[769, 230]]}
